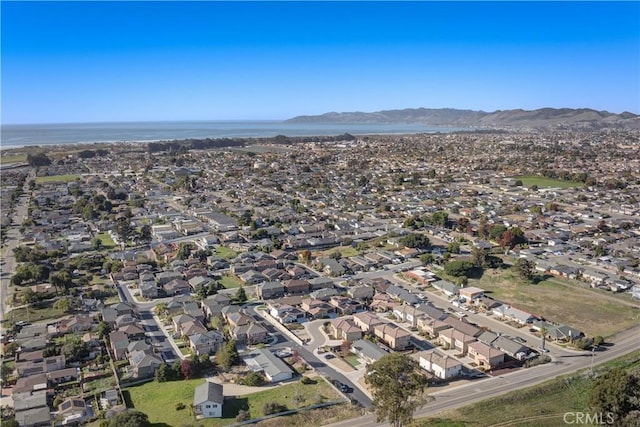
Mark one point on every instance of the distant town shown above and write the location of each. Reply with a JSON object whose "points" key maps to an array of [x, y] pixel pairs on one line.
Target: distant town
{"points": [[216, 282]]}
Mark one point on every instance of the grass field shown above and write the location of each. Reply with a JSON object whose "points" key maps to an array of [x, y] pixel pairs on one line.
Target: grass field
{"points": [[57, 178], [549, 400], [13, 158], [230, 282], [345, 251], [592, 313], [38, 311], [158, 400], [542, 182], [107, 241], [225, 253]]}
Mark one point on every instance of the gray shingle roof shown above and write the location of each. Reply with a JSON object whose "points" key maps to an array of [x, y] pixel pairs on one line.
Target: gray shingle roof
{"points": [[208, 391]]}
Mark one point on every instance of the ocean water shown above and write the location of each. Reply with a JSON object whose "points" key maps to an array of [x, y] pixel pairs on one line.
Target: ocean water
{"points": [[77, 133]]}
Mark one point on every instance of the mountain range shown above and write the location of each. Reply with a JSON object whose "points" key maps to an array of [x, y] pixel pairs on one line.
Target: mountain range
{"points": [[540, 119]]}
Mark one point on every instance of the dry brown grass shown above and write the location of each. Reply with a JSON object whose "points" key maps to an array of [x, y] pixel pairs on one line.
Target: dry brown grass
{"points": [[589, 311]]}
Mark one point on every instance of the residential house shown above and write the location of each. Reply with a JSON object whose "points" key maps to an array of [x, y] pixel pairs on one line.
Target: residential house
{"points": [[250, 334], [440, 365], [317, 309], [346, 305], [366, 321], [511, 348], [177, 287], [205, 343], [361, 292], [470, 293], [208, 400], [395, 337], [367, 350], [133, 332], [274, 369], [143, 364], [408, 313], [345, 329], [446, 287], [485, 355], [285, 313], [31, 409], [118, 342], [320, 283], [431, 326], [456, 339], [74, 411], [296, 286], [270, 290], [62, 376], [462, 326]]}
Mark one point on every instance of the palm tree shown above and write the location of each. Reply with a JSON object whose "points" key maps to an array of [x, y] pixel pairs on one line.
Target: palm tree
{"points": [[543, 332]]}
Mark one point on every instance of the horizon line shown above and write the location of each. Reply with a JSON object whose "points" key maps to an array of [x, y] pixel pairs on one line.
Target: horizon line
{"points": [[305, 115]]}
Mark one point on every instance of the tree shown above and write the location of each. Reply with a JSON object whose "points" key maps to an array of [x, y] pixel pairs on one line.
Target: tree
{"points": [[254, 379], [524, 268], [103, 330], [453, 247], [458, 268], [163, 373], [397, 386], [617, 392], [241, 295], [145, 233], [227, 354], [188, 369], [29, 296], [130, 418], [415, 240], [184, 250], [426, 259], [73, 348], [62, 304], [479, 257]]}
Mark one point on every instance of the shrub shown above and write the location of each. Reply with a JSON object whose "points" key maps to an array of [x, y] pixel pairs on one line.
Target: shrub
{"points": [[307, 380], [273, 408], [243, 415], [253, 379], [180, 406]]}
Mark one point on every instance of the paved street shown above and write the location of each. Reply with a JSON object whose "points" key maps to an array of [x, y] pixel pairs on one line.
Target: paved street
{"points": [[13, 238]]}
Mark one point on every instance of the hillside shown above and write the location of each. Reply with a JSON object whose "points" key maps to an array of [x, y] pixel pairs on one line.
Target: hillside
{"points": [[544, 118]]}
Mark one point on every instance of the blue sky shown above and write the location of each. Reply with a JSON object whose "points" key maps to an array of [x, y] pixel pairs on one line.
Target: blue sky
{"points": [[129, 61]]}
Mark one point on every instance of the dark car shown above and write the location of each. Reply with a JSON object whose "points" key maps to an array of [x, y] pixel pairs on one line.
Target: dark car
{"points": [[329, 356]]}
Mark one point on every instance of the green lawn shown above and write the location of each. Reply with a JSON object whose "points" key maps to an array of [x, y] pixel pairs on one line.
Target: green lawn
{"points": [[107, 241], [550, 400], [542, 182], [158, 400], [225, 253], [592, 313], [229, 281], [57, 178]]}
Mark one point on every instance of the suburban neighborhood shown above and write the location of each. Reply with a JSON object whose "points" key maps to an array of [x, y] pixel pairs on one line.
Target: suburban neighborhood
{"points": [[279, 263]]}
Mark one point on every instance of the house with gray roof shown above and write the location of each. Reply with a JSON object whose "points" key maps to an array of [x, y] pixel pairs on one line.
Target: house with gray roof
{"points": [[270, 290], [274, 369], [511, 348], [208, 399], [447, 288], [367, 350]]}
